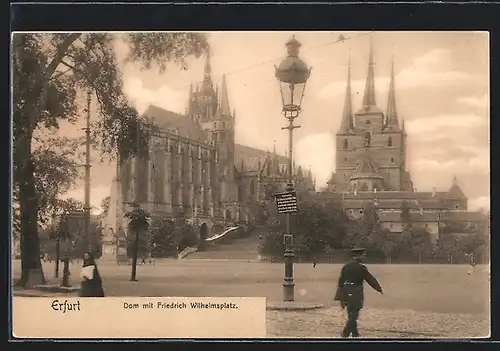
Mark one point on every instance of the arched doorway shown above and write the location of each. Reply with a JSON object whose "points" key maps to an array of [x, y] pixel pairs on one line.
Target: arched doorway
{"points": [[228, 215], [203, 236]]}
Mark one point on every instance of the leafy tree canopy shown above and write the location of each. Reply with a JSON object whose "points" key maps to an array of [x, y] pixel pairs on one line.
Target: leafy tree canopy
{"points": [[50, 72]]}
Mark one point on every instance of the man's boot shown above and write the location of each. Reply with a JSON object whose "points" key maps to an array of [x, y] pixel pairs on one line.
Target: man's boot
{"points": [[346, 332]]}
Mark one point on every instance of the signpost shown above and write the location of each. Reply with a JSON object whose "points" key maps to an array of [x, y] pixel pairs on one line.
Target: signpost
{"points": [[286, 202]]}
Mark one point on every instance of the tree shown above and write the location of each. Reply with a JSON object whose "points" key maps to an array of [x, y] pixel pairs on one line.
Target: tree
{"points": [[48, 72], [138, 223], [446, 247], [406, 216], [318, 227], [56, 171], [272, 243], [355, 234], [263, 212], [66, 232], [184, 234], [388, 244], [270, 189], [313, 228], [161, 234], [421, 244]]}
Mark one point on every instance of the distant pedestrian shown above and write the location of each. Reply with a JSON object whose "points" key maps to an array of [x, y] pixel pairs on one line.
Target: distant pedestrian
{"points": [[314, 262], [143, 260], [91, 282], [472, 264], [350, 290]]}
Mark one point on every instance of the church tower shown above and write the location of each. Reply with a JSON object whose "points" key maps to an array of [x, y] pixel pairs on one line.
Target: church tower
{"points": [[370, 146], [345, 158], [210, 108]]}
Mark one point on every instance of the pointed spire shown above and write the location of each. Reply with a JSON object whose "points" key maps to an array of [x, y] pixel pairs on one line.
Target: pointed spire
{"points": [[274, 147], [455, 192], [347, 119], [369, 97], [392, 114], [207, 86], [224, 99], [208, 67], [190, 99]]}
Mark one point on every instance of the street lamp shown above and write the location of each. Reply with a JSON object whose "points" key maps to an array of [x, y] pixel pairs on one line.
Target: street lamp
{"points": [[292, 74]]}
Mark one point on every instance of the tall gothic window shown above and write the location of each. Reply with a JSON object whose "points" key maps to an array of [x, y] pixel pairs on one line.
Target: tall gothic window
{"points": [[252, 187], [142, 179], [158, 174], [346, 144], [252, 190], [182, 165], [389, 142], [125, 173], [240, 192]]}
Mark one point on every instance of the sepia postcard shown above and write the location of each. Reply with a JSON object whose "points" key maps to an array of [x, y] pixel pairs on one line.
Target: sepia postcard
{"points": [[176, 185]]}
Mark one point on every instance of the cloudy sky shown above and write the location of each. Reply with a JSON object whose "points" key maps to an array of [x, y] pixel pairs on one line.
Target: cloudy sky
{"points": [[442, 91]]}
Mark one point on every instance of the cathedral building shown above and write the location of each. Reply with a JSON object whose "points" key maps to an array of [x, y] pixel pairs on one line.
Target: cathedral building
{"points": [[196, 168], [371, 168]]}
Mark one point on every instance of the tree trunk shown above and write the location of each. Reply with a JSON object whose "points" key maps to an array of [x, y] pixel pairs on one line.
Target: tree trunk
{"points": [[31, 267], [57, 257], [65, 277], [134, 257]]}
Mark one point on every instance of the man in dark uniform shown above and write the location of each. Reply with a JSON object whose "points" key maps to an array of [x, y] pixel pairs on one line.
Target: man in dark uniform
{"points": [[350, 290]]}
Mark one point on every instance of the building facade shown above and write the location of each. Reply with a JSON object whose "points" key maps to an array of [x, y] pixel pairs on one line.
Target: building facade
{"points": [[371, 168], [196, 168]]}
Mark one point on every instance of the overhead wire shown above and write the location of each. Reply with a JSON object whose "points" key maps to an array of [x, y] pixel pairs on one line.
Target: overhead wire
{"points": [[340, 39]]}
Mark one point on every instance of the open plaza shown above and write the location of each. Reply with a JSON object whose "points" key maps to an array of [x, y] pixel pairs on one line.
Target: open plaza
{"points": [[419, 301]]}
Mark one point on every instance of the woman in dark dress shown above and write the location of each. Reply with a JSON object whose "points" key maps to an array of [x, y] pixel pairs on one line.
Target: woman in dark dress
{"points": [[91, 283]]}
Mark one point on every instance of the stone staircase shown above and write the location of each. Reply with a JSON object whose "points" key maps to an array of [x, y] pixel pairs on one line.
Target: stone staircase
{"points": [[237, 248]]}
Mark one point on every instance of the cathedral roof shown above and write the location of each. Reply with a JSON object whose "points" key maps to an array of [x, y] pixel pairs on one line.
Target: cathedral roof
{"points": [[332, 179], [251, 157], [252, 164], [366, 169], [455, 193], [390, 203], [462, 216], [415, 216], [396, 195], [167, 119]]}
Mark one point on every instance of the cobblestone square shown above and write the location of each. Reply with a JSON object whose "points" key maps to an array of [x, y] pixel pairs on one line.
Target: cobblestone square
{"points": [[419, 301]]}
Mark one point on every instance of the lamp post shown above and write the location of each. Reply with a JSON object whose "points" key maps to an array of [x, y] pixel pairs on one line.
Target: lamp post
{"points": [[292, 75]]}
